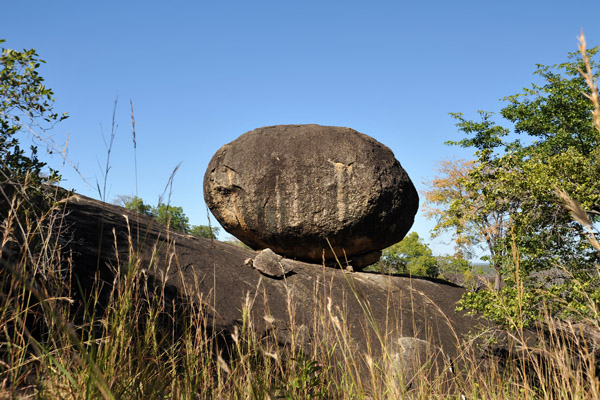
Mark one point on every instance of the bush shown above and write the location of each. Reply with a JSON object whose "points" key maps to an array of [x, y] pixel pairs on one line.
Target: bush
{"points": [[26, 104]]}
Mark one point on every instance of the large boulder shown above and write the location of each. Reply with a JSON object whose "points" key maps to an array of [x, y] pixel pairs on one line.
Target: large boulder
{"points": [[297, 189]]}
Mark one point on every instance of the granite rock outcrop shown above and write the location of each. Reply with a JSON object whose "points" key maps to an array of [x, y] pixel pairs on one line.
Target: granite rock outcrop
{"points": [[305, 190]]}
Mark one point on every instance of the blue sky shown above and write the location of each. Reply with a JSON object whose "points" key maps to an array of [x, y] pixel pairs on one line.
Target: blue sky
{"points": [[202, 73]]}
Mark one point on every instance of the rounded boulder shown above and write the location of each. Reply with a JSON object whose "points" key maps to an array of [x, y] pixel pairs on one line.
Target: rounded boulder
{"points": [[302, 190]]}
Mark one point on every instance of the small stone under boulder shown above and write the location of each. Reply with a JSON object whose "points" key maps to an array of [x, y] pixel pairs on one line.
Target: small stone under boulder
{"points": [[296, 189], [270, 264]]}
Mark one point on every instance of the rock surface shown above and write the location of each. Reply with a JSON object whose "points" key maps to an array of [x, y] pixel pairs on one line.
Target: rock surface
{"points": [[98, 237], [293, 188], [409, 355]]}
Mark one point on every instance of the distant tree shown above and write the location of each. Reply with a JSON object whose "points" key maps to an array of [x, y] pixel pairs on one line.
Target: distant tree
{"points": [[456, 199], [461, 271], [454, 264], [172, 216], [204, 231], [411, 255], [167, 215], [134, 203], [235, 241]]}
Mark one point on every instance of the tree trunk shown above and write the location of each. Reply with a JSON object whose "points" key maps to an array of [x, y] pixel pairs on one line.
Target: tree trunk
{"points": [[498, 279]]}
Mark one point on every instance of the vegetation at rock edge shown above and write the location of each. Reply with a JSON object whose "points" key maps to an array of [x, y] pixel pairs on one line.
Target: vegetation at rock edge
{"points": [[518, 197]]}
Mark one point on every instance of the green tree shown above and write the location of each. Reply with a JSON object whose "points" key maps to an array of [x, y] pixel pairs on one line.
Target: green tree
{"points": [[26, 104], [553, 145], [461, 271], [172, 216], [455, 199], [454, 265], [137, 204], [204, 231], [164, 214], [411, 255]]}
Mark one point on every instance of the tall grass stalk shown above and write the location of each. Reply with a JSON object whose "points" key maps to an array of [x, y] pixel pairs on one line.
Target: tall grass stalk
{"points": [[109, 145], [134, 147]]}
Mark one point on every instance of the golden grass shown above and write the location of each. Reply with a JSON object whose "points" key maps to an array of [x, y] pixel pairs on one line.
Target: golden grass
{"points": [[142, 347]]}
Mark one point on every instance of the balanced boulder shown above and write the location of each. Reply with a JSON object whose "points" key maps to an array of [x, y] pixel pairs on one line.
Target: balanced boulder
{"points": [[304, 190]]}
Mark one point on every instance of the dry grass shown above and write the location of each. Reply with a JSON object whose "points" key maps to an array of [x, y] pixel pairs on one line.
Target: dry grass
{"points": [[143, 347]]}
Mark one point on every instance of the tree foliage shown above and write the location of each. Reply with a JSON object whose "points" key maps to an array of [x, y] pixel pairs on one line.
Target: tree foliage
{"points": [[168, 215], [508, 194], [172, 216], [26, 104], [209, 232], [461, 271], [410, 256], [133, 203], [455, 198]]}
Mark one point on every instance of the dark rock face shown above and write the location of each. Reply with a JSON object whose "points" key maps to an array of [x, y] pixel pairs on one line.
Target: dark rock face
{"points": [[100, 236], [292, 188]]}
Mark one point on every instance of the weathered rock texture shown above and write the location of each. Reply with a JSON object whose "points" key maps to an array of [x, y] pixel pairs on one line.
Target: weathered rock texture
{"points": [[408, 355], [292, 188], [97, 237]]}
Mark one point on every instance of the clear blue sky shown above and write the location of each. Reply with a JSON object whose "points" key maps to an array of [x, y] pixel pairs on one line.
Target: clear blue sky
{"points": [[202, 73]]}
